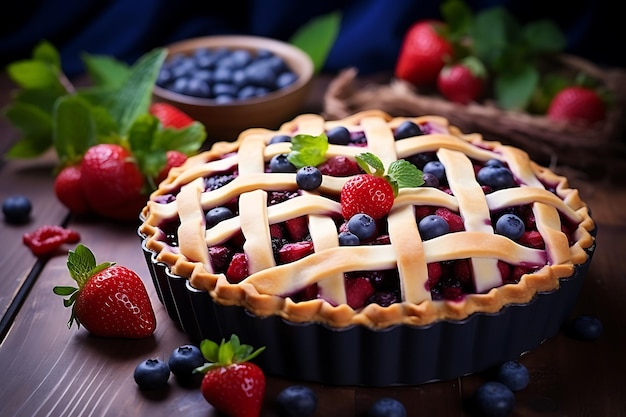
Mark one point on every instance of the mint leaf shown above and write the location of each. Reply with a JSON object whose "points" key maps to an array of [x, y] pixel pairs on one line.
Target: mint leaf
{"points": [[308, 150], [35, 126], [543, 37], [514, 89], [105, 70], [317, 38], [405, 174], [74, 129], [187, 140], [45, 52], [32, 74], [133, 97], [368, 161]]}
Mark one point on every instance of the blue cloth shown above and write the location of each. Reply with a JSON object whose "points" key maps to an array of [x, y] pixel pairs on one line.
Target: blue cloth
{"points": [[370, 35]]}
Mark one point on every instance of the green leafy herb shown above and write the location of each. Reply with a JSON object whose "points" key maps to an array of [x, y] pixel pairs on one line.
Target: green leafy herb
{"points": [[308, 150], [51, 112], [400, 173], [317, 37]]}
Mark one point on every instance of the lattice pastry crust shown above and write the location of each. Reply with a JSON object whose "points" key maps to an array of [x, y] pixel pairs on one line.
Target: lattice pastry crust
{"points": [[263, 292]]}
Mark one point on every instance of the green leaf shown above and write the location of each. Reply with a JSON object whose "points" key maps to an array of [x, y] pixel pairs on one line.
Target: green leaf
{"points": [[45, 52], [317, 37], [36, 128], [370, 163], [44, 99], [543, 37], [105, 70], [187, 140], [494, 32], [133, 97], [80, 262], [308, 150], [74, 129], [513, 90], [32, 74], [458, 17], [209, 350], [405, 174], [63, 290]]}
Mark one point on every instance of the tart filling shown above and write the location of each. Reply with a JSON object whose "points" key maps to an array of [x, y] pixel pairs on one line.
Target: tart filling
{"points": [[237, 225]]}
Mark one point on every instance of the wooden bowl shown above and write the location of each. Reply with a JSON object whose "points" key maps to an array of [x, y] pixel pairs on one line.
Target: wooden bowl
{"points": [[226, 121]]}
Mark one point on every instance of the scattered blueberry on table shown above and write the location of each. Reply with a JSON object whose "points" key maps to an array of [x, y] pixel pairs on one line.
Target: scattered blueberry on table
{"points": [[586, 327], [16, 209], [152, 374], [494, 399], [514, 375], [387, 407], [296, 401]]}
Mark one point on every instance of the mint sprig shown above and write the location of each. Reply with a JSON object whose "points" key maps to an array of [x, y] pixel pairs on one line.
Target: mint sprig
{"points": [[50, 112], [400, 173], [308, 150]]}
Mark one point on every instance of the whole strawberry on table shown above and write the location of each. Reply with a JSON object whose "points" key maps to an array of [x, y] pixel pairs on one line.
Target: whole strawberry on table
{"points": [[113, 145], [110, 301]]}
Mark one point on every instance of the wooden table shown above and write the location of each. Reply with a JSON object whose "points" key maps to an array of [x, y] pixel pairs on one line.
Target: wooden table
{"points": [[50, 370]]}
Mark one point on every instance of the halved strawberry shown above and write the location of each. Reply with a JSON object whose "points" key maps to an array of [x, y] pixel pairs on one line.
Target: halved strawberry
{"points": [[238, 268], [297, 228]]}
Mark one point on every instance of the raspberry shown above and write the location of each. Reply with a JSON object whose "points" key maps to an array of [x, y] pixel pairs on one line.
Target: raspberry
{"points": [[47, 239], [455, 222], [339, 166]]}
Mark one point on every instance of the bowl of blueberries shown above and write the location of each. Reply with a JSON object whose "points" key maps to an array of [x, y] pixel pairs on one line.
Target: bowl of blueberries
{"points": [[231, 83]]}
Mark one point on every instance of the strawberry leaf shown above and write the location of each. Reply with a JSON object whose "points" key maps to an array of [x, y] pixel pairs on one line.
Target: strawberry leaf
{"points": [[36, 127], [542, 37], [81, 264], [514, 89], [308, 150]]}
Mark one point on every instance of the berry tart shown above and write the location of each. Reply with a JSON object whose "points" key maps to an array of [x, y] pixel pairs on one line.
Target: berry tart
{"points": [[372, 250]]}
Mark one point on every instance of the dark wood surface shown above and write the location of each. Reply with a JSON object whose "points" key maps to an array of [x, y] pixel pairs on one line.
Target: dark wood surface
{"points": [[50, 370]]}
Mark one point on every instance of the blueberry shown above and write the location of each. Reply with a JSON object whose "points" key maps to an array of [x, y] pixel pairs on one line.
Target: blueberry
{"points": [[296, 401], [363, 226], [184, 359], [494, 399], [437, 169], [494, 163], [152, 374], [280, 163], [513, 374], [285, 79], [387, 407], [430, 180], [407, 129], [216, 215], [308, 178], [16, 209], [586, 327], [432, 226], [511, 226], [280, 138], [348, 239], [338, 135], [495, 177]]}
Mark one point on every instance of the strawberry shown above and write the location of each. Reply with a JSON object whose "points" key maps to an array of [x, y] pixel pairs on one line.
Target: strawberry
{"points": [[366, 193], [463, 81], [110, 301], [358, 290], [68, 190], [112, 182], [174, 159], [169, 115], [423, 53], [339, 166], [577, 104], [238, 268], [232, 384], [290, 252], [297, 228]]}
